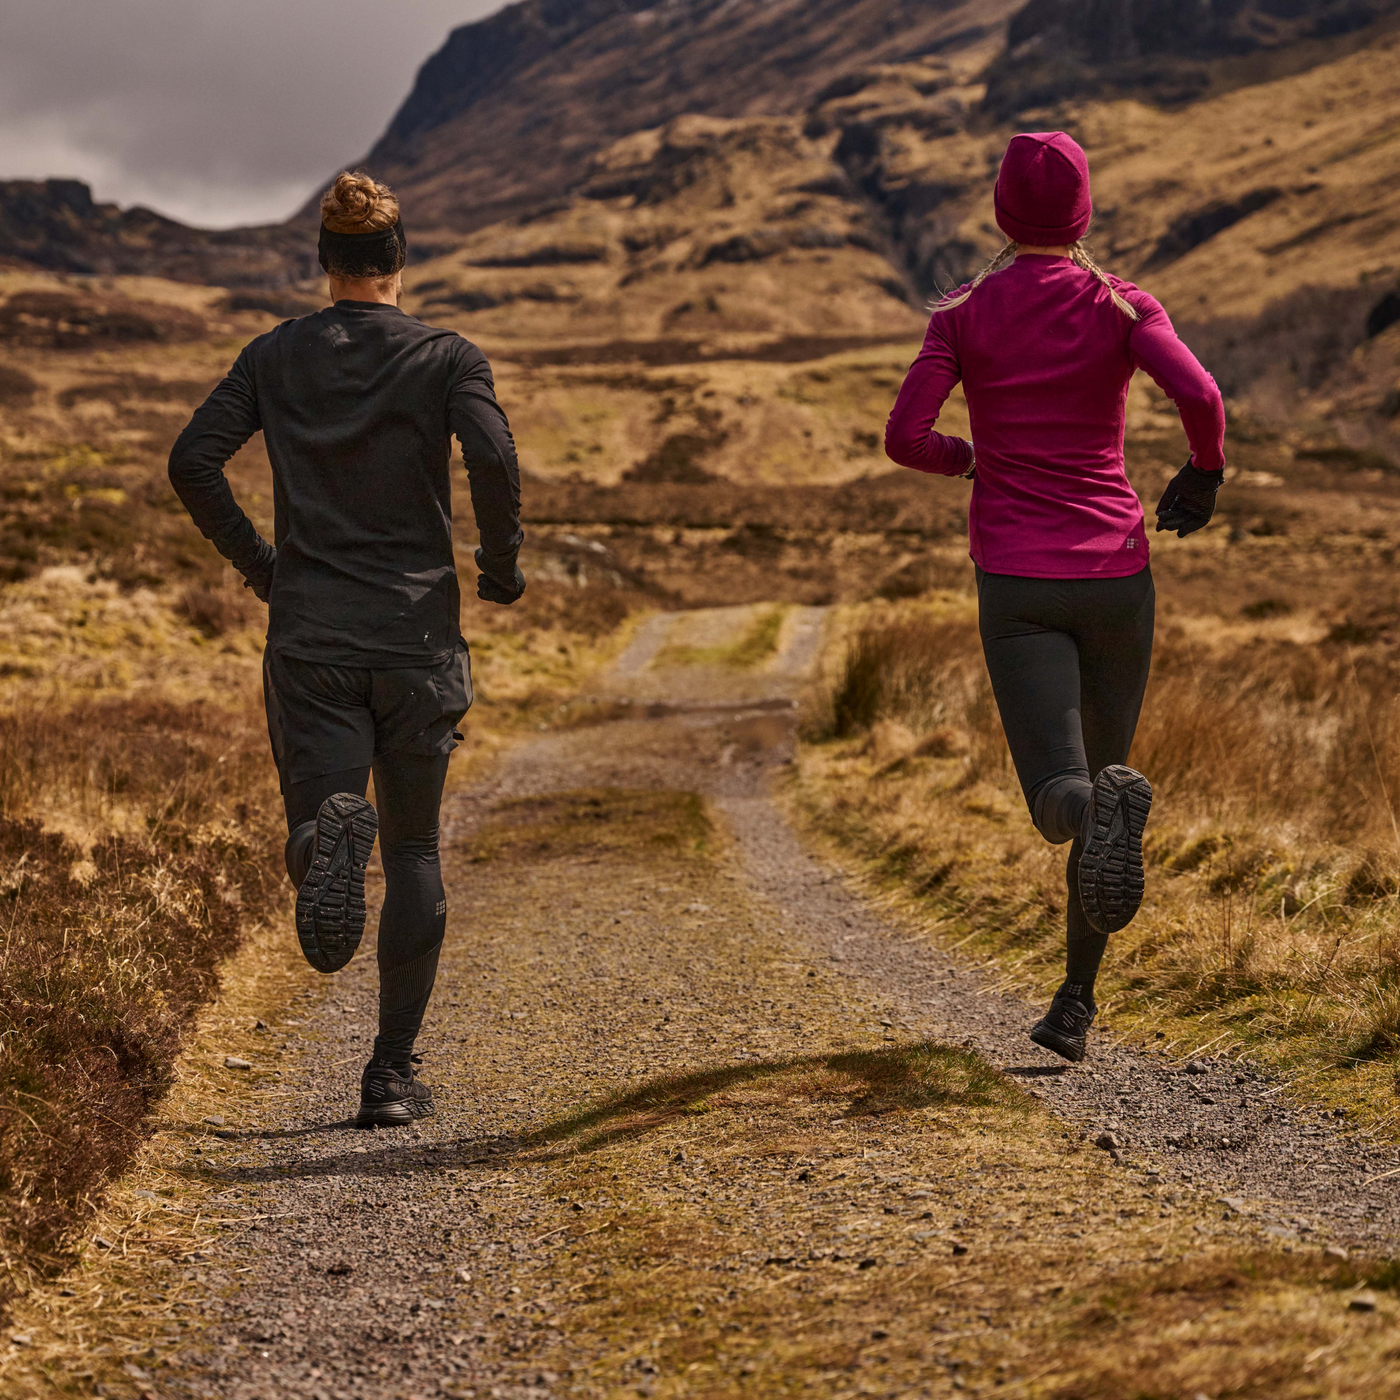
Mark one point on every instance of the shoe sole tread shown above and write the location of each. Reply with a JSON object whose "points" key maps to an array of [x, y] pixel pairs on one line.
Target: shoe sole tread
{"points": [[1111, 876], [330, 913]]}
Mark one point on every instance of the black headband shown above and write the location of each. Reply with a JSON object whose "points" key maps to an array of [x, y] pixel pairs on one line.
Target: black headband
{"points": [[379, 253]]}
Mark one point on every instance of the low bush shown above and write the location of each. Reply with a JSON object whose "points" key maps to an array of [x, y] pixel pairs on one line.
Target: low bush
{"points": [[112, 944]]}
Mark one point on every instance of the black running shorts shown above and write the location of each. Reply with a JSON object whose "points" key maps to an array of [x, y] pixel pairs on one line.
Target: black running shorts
{"points": [[324, 719]]}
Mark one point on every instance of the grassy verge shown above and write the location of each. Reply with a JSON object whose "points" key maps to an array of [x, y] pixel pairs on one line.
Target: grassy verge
{"points": [[757, 643], [1269, 925], [112, 937]]}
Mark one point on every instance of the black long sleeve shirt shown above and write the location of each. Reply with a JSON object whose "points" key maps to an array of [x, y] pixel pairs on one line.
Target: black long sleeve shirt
{"points": [[357, 404]]}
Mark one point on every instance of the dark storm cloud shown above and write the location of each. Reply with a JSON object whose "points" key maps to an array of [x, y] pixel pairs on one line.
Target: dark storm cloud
{"points": [[216, 113]]}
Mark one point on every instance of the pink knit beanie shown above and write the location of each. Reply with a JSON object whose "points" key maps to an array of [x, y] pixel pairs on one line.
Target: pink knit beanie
{"points": [[1042, 192]]}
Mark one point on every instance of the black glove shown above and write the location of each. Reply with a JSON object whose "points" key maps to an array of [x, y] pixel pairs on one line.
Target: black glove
{"points": [[491, 591], [259, 579], [1189, 500]]}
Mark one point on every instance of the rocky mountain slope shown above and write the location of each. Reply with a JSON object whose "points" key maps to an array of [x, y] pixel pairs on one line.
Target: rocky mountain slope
{"points": [[56, 225], [712, 182], [509, 112], [1172, 50]]}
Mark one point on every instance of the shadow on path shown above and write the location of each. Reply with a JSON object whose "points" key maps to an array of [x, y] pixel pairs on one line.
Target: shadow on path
{"points": [[867, 1082]]}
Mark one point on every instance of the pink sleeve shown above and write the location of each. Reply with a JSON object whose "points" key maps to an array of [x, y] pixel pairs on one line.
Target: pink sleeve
{"points": [[909, 436], [1155, 347]]}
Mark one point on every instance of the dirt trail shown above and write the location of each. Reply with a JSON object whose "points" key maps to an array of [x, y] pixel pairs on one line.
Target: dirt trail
{"points": [[700, 1039]]}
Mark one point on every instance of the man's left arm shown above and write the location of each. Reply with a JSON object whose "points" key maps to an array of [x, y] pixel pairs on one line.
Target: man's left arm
{"points": [[220, 426], [493, 474]]}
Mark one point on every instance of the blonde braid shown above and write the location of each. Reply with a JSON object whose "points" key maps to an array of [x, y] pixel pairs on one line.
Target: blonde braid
{"points": [[947, 301], [1079, 256]]}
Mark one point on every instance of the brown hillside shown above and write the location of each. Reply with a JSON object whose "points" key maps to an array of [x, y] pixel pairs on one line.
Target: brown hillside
{"points": [[511, 110]]}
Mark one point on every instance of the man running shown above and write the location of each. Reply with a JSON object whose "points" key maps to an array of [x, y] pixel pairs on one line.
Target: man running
{"points": [[1045, 343], [365, 667]]}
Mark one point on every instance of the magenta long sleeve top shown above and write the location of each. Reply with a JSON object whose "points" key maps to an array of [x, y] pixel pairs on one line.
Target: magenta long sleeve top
{"points": [[1045, 358]]}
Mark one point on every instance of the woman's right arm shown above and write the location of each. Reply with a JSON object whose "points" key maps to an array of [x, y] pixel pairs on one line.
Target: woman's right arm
{"points": [[910, 439]]}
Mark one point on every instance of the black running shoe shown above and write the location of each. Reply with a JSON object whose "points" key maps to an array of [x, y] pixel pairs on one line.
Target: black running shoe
{"points": [[389, 1097], [1065, 1028], [331, 900], [1110, 866]]}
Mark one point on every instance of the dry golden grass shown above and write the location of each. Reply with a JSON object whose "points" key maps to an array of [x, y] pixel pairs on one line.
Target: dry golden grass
{"points": [[756, 645], [113, 934], [124, 1298], [1272, 854]]}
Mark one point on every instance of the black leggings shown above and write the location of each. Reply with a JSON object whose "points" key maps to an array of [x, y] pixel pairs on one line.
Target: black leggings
{"points": [[1068, 659], [408, 795]]}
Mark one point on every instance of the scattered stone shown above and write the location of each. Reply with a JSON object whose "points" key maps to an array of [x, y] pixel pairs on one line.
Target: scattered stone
{"points": [[867, 1263], [1365, 1301], [214, 1121], [461, 1276], [1235, 1203], [1196, 1067], [341, 1267], [697, 908], [1335, 1251], [145, 1195], [878, 1334], [1108, 1141], [260, 1025], [233, 1062], [101, 1242], [959, 1247], [21, 1339]]}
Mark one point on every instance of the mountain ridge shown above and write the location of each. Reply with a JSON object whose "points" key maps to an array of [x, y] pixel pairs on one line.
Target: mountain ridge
{"points": [[559, 83], [58, 226]]}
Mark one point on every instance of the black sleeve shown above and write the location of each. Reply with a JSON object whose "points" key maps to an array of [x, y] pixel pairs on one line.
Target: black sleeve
{"points": [[488, 452], [220, 426]]}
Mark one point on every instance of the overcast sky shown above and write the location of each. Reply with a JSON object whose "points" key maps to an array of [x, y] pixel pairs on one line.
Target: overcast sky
{"points": [[217, 112]]}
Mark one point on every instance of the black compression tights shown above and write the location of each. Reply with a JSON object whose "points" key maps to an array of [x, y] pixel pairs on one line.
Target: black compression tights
{"points": [[1068, 660], [408, 794]]}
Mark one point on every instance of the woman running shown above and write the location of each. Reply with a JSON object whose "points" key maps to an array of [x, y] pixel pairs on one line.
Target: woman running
{"points": [[1045, 343], [365, 667]]}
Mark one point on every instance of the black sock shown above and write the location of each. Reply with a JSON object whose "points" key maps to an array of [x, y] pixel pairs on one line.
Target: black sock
{"points": [[1082, 992]]}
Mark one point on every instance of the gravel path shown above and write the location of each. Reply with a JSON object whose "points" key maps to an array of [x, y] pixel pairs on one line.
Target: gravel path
{"points": [[422, 1261]]}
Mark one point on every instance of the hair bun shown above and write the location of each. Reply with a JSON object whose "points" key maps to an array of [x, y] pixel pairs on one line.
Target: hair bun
{"points": [[356, 203]]}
